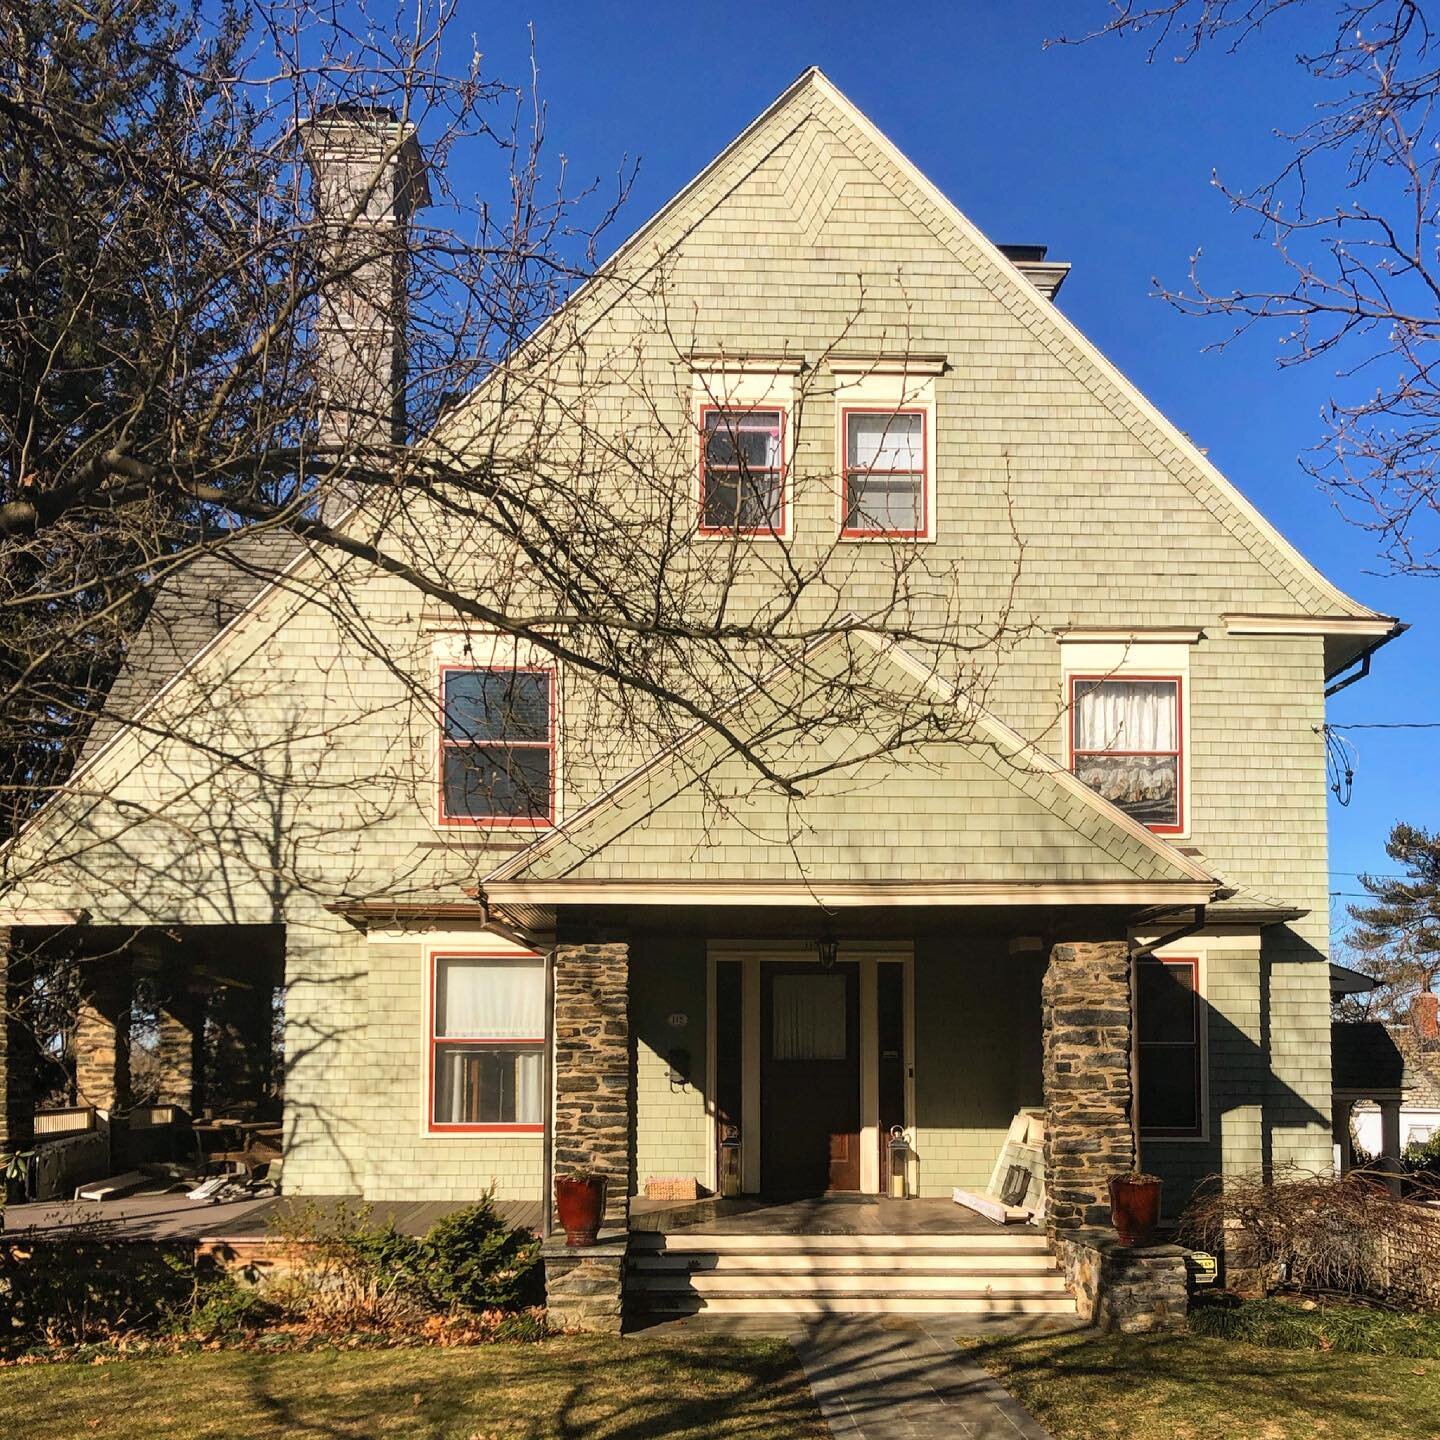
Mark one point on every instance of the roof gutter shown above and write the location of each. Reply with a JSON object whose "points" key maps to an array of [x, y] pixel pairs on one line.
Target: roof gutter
{"points": [[1363, 661]]}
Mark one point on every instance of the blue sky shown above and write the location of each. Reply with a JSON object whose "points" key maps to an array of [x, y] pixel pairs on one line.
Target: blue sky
{"points": [[1105, 158]]}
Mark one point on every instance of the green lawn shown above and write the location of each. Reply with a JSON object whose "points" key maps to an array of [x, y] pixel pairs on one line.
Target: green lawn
{"points": [[569, 1387], [1185, 1387]]}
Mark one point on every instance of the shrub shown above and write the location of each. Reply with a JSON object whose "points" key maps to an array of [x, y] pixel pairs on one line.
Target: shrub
{"points": [[1321, 1233], [1423, 1159], [353, 1272], [1353, 1329]]}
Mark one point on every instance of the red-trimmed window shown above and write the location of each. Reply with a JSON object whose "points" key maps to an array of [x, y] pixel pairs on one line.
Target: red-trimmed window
{"points": [[742, 471], [885, 483], [1168, 1031], [487, 1042], [497, 748], [1125, 744]]}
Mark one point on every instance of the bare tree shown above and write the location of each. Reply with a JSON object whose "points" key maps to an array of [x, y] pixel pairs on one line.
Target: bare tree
{"points": [[526, 471], [1352, 217]]}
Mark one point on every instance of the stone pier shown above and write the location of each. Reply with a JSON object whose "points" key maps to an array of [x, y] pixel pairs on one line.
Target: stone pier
{"points": [[1089, 1133], [102, 1033]]}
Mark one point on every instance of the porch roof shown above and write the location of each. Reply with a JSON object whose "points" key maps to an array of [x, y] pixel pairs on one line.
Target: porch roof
{"points": [[987, 819]]}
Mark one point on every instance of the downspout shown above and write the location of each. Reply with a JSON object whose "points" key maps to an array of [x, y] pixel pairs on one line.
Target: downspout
{"points": [[547, 1141]]}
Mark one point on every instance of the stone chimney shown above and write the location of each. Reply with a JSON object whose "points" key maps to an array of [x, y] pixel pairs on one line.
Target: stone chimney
{"points": [[369, 178], [1425, 1015]]}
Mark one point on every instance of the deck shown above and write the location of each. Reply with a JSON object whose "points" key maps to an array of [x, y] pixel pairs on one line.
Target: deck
{"points": [[171, 1218]]}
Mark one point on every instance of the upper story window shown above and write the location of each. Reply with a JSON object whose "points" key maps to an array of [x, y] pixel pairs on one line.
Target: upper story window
{"points": [[1168, 1018], [487, 1042], [742, 470], [885, 480], [1126, 745], [497, 749]]}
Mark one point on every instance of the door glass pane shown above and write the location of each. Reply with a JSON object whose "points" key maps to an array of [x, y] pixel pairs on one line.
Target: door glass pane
{"points": [[807, 1017]]}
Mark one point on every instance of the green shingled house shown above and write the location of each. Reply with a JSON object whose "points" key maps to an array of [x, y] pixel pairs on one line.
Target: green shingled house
{"points": [[1106, 907]]}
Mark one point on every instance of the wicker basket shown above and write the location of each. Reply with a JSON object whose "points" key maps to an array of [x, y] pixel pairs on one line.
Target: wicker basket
{"points": [[672, 1187]]}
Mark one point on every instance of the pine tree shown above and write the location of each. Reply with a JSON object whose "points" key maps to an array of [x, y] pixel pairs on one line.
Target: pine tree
{"points": [[1397, 938]]}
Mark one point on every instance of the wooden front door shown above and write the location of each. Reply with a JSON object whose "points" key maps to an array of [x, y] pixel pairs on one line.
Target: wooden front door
{"points": [[809, 1078]]}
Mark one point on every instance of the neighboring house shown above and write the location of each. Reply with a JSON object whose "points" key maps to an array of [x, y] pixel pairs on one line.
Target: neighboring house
{"points": [[1403, 1062], [1015, 922]]}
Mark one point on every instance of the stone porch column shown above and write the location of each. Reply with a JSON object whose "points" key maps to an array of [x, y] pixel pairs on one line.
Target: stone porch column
{"points": [[181, 1048], [17, 1047], [102, 1033], [1089, 1133], [594, 1085]]}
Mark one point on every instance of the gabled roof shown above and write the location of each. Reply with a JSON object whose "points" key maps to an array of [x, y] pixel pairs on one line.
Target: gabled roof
{"points": [[813, 96], [983, 819]]}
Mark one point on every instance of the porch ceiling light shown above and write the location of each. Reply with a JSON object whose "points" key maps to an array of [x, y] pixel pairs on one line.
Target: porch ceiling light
{"points": [[827, 947]]}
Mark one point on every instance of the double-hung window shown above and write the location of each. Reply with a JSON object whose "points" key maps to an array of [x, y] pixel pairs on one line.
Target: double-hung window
{"points": [[1126, 745], [885, 482], [487, 1042], [742, 470], [1168, 1036], [497, 749]]}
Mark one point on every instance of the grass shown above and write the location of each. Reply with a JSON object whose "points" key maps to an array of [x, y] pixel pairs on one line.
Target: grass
{"points": [[1085, 1386], [1351, 1329], [555, 1390]]}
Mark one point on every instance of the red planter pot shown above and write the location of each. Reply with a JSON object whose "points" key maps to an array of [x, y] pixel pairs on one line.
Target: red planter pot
{"points": [[1135, 1208], [580, 1205]]}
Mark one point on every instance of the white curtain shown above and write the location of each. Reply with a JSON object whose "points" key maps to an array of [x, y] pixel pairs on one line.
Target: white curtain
{"points": [[490, 999], [807, 1017], [1126, 715], [885, 442]]}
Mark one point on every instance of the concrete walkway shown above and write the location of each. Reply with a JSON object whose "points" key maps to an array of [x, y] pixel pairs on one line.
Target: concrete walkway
{"points": [[906, 1381]]}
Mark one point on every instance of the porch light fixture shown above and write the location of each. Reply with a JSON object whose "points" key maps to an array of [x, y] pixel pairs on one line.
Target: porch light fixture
{"points": [[827, 947]]}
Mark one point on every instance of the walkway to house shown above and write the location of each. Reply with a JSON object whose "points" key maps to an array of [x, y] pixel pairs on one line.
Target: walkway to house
{"points": [[907, 1381]]}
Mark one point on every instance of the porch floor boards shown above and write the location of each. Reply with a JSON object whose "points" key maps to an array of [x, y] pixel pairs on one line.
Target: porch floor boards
{"points": [[171, 1217], [821, 1215]]}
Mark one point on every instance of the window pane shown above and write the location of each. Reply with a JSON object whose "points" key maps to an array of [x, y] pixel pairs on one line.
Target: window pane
{"points": [[487, 1085], [485, 999], [887, 503], [747, 500], [807, 1017], [497, 781], [1144, 786], [1165, 1001], [1126, 715], [497, 705], [743, 437], [1169, 1095], [885, 442]]}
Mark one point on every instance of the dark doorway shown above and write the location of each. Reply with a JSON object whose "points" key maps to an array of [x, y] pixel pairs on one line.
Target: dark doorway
{"points": [[809, 1079]]}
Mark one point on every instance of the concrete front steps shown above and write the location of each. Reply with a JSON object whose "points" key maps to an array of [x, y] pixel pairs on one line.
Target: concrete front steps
{"points": [[691, 1272]]}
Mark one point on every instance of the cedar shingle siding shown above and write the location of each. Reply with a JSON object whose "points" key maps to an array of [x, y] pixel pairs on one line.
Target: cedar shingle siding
{"points": [[1124, 523]]}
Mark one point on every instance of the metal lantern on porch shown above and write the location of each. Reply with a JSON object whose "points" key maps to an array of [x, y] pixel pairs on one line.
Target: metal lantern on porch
{"points": [[899, 1164], [729, 1177]]}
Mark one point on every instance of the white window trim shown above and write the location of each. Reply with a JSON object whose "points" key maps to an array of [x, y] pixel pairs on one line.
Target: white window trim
{"points": [[486, 650], [879, 388], [1115, 660], [457, 944], [760, 388]]}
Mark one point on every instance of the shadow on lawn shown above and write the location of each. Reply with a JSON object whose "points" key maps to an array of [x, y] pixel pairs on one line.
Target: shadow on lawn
{"points": [[560, 1389], [1171, 1378]]}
